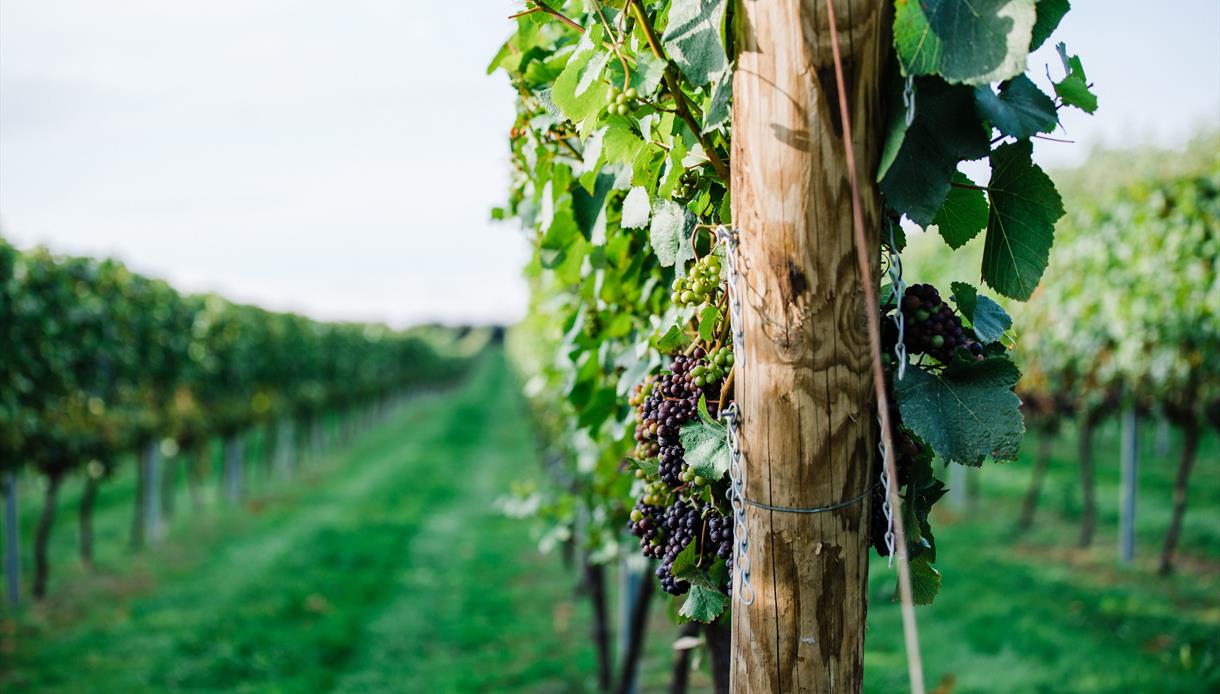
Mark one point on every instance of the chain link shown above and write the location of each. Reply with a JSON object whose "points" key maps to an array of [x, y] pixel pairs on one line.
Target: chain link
{"points": [[737, 475], [893, 270], [908, 99]]}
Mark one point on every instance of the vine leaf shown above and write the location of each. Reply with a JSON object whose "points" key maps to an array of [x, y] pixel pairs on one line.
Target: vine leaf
{"points": [[707, 323], [1074, 88], [1050, 13], [988, 318], [967, 413], [670, 233], [925, 581], [917, 47], [982, 41], [718, 109], [635, 209], [707, 449], [692, 39], [1020, 109], [945, 131], [578, 92], [965, 43], [674, 340], [963, 214], [1021, 225], [705, 602]]}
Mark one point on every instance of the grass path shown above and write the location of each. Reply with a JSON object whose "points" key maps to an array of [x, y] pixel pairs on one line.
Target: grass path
{"points": [[389, 569]]}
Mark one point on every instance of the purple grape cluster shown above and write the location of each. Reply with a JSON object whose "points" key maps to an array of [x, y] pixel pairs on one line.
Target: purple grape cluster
{"points": [[647, 523], [682, 525], [932, 327]]}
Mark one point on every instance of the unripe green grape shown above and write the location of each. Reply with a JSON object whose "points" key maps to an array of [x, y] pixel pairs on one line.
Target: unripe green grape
{"points": [[688, 296], [636, 515], [699, 382], [632, 93], [620, 99], [938, 341], [922, 315], [675, 298], [679, 284], [699, 481]]}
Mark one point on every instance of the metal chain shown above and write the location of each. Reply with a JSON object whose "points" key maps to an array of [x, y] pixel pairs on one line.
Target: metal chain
{"points": [[893, 270], [737, 477], [908, 99]]}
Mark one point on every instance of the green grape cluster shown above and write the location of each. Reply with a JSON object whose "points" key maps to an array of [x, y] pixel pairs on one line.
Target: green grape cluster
{"points": [[656, 493], [622, 101], [688, 185], [718, 363], [701, 285], [688, 475]]}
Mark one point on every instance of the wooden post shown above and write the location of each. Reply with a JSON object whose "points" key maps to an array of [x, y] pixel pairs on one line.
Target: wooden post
{"points": [[807, 411], [1126, 505], [152, 491], [12, 560]]}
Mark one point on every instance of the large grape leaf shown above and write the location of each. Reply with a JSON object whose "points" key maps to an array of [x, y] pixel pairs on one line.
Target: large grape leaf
{"points": [[963, 214], [706, 448], [967, 413], [718, 109], [982, 41], [917, 47], [1019, 110], [973, 43], [945, 131], [635, 209], [1050, 13], [578, 92], [670, 233], [705, 602], [925, 581], [1021, 226], [692, 39]]}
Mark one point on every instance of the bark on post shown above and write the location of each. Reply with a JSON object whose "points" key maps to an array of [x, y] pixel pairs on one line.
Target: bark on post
{"points": [[807, 411]]}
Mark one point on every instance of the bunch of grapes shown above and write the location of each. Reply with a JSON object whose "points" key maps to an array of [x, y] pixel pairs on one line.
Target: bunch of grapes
{"points": [[646, 524], [701, 286], [622, 101], [714, 370], [682, 524], [688, 185], [932, 327]]}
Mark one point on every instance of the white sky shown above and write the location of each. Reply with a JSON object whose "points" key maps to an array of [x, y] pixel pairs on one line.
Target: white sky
{"points": [[340, 158]]}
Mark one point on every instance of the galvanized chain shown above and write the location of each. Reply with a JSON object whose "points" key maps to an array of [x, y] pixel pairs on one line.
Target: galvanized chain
{"points": [[893, 270], [908, 99], [737, 495]]}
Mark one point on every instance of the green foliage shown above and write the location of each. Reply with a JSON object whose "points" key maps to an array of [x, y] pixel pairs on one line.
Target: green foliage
{"points": [[618, 191], [1131, 302], [100, 360]]}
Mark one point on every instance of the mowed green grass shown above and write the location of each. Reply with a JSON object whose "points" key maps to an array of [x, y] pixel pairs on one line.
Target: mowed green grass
{"points": [[387, 568]]}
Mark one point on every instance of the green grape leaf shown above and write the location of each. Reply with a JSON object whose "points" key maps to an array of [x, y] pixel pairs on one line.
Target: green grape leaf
{"points": [[945, 131], [1050, 13], [988, 318], [621, 145], [1073, 89], [966, 296], [981, 41], [1020, 109], [707, 449], [578, 92], [963, 214], [704, 604], [686, 564], [589, 209], [917, 47], [692, 39], [967, 413], [708, 317], [674, 340], [651, 466], [636, 209], [670, 233], [718, 108], [1021, 225], [648, 73], [925, 581]]}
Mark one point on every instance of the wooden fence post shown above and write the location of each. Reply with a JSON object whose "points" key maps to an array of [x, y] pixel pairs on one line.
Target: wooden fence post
{"points": [[808, 416]]}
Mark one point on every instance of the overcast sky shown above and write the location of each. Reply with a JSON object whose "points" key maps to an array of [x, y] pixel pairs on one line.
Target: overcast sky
{"points": [[340, 158]]}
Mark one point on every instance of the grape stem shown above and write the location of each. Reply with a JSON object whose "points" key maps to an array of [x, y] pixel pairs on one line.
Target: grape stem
{"points": [[540, 6], [728, 385]]}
